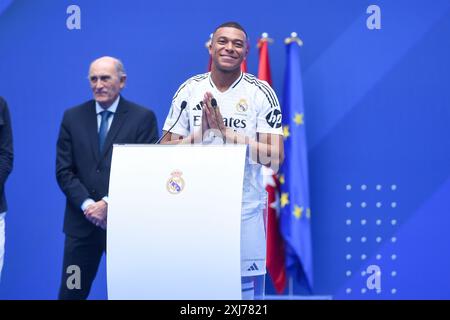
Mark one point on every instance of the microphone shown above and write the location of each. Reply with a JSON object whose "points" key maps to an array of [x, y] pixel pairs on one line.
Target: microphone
{"points": [[182, 107], [213, 103]]}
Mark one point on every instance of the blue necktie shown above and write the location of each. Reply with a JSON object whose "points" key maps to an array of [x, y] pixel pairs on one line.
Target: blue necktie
{"points": [[103, 128]]}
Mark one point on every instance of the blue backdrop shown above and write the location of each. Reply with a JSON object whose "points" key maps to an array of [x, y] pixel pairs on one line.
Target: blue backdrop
{"points": [[377, 114]]}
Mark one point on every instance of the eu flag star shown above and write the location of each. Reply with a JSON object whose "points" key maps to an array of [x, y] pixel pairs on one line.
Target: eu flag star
{"points": [[298, 211], [284, 201], [286, 133], [298, 119]]}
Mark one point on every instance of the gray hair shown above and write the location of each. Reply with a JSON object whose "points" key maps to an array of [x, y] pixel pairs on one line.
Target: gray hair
{"points": [[120, 68], [117, 63]]}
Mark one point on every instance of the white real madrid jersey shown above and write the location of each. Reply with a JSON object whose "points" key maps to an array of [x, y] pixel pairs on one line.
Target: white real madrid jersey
{"points": [[249, 106]]}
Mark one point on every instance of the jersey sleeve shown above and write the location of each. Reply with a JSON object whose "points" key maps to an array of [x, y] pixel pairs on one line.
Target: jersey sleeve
{"points": [[182, 126], [269, 112]]}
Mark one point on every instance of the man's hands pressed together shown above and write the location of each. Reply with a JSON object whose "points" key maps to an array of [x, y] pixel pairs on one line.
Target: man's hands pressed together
{"points": [[97, 213]]}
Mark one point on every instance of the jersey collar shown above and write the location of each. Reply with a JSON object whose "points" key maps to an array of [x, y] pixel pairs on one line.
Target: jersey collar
{"points": [[233, 85]]}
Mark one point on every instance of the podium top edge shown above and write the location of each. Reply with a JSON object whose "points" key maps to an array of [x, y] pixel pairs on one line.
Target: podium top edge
{"points": [[131, 145]]}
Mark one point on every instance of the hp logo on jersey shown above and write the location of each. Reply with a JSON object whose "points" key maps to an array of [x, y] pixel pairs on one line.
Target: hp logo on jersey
{"points": [[273, 118]]}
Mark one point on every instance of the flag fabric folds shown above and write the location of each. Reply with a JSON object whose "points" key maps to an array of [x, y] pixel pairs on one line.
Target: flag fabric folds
{"points": [[275, 243], [295, 216]]}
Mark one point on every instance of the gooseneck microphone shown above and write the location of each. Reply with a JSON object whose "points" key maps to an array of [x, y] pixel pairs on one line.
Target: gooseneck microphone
{"points": [[182, 107], [213, 103]]}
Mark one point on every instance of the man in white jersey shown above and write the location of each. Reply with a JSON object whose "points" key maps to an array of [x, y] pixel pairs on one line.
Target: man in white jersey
{"points": [[228, 106]]}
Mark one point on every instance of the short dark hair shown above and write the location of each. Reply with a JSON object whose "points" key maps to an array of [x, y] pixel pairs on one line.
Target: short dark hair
{"points": [[232, 24]]}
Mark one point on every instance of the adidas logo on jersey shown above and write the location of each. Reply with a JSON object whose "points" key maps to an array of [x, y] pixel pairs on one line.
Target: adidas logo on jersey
{"points": [[198, 107], [253, 267]]}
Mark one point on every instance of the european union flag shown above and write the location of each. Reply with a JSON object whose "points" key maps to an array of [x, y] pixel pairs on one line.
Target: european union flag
{"points": [[295, 216]]}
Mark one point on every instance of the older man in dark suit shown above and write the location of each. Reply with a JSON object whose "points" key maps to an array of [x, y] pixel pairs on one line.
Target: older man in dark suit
{"points": [[83, 164]]}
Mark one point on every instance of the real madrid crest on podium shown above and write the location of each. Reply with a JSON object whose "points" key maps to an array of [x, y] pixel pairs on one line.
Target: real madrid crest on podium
{"points": [[175, 184]]}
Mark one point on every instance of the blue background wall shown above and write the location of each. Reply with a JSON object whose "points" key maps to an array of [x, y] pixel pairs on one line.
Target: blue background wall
{"points": [[377, 115]]}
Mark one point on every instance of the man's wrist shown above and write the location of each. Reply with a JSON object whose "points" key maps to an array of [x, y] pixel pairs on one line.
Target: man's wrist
{"points": [[86, 203]]}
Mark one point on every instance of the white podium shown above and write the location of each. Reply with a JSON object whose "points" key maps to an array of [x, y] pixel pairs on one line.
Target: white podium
{"points": [[174, 218]]}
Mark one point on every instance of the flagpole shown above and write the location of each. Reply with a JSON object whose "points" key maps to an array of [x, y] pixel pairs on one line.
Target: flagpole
{"points": [[208, 43], [294, 38], [291, 287], [264, 38]]}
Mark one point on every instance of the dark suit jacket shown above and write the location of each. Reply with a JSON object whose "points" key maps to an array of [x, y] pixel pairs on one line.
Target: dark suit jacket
{"points": [[6, 151], [82, 172]]}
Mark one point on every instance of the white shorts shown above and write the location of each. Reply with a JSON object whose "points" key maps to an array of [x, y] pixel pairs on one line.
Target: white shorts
{"points": [[253, 241]]}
